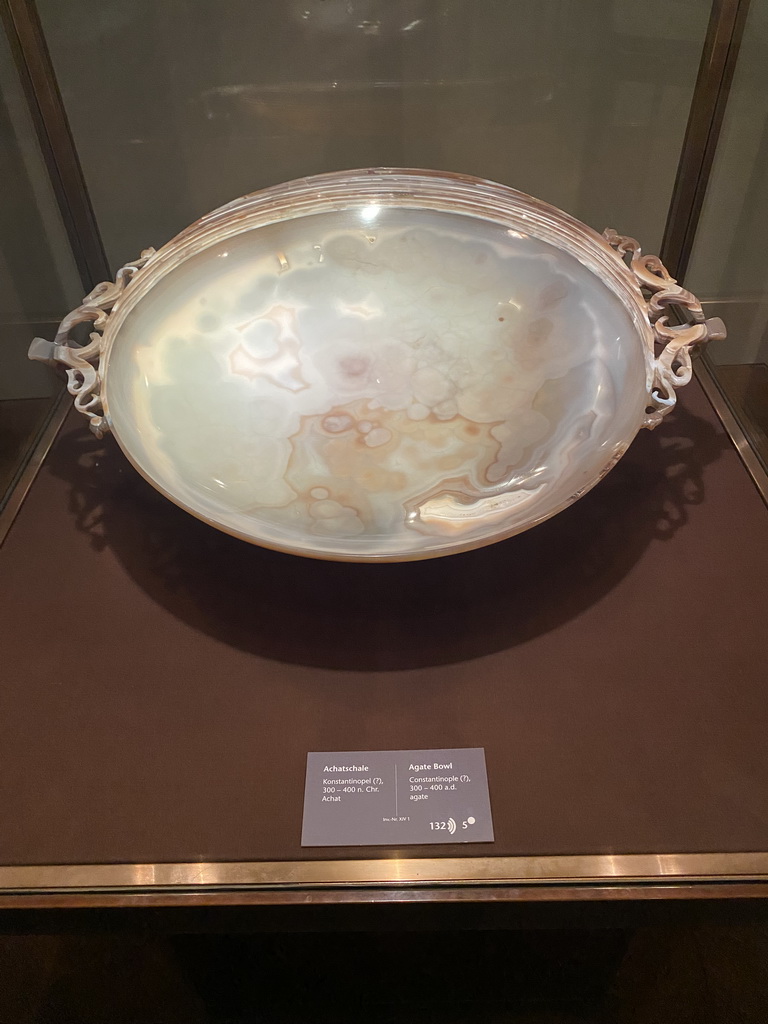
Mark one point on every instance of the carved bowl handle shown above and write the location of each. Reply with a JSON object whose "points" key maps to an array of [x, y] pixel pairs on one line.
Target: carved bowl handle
{"points": [[83, 362], [672, 365]]}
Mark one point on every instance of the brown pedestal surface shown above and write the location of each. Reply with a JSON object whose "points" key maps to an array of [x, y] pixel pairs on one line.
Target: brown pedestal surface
{"points": [[161, 683]]}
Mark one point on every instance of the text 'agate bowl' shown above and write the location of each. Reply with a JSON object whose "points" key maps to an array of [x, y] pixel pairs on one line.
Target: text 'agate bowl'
{"points": [[381, 365]]}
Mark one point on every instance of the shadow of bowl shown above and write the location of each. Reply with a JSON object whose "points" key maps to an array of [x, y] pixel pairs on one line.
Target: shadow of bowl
{"points": [[348, 616]]}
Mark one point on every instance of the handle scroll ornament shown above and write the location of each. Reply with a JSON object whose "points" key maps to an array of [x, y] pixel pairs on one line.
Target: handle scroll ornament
{"points": [[83, 362], [672, 367]]}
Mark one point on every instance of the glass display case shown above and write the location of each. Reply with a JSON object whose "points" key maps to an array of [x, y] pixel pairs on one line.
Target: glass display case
{"points": [[38, 277], [729, 261], [567, 101], [162, 692]]}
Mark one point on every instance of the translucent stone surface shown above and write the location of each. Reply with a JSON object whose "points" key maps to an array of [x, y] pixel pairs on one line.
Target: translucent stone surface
{"points": [[378, 383]]}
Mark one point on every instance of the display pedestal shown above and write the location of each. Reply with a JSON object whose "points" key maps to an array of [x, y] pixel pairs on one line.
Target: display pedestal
{"points": [[162, 684]]}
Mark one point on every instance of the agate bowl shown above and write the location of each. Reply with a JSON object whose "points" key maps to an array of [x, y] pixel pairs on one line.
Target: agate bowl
{"points": [[381, 365]]}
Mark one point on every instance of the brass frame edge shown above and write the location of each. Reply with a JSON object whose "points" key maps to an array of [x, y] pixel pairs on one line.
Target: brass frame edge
{"points": [[388, 872], [218, 898]]}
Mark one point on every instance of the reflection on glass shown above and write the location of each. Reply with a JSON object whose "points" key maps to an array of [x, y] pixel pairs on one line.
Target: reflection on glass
{"points": [[179, 106], [38, 281], [729, 264]]}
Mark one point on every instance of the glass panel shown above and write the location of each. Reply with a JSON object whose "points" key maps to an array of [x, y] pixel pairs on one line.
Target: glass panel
{"points": [[38, 279], [729, 264], [179, 106]]}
